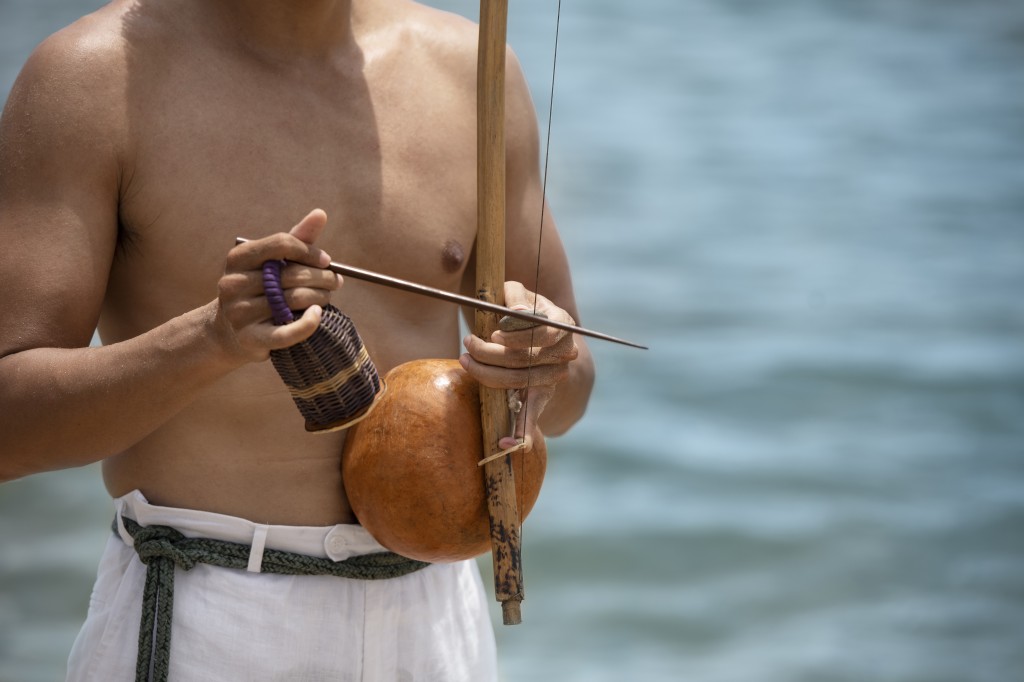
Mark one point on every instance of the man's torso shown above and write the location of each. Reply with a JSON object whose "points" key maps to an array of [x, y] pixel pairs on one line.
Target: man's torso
{"points": [[224, 142]]}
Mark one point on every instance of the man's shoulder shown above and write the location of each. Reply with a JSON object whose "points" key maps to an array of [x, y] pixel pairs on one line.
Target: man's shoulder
{"points": [[78, 69], [89, 48], [450, 43], [69, 97], [441, 24], [451, 39], [448, 40]]}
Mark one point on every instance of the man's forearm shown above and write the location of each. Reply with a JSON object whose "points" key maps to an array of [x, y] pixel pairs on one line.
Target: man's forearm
{"points": [[569, 403], [63, 407]]}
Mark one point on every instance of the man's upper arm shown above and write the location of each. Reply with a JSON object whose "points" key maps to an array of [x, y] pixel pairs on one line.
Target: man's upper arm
{"points": [[60, 141], [524, 202]]}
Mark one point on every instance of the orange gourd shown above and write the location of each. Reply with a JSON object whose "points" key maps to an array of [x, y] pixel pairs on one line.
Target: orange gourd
{"points": [[410, 467]]}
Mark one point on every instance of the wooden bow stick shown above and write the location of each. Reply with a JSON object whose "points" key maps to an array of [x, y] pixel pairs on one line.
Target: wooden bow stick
{"points": [[499, 479]]}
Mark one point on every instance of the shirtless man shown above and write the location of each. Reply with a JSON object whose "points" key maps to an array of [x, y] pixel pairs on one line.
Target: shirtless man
{"points": [[135, 145]]}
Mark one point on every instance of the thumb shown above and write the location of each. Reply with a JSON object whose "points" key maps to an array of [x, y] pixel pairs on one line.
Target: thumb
{"points": [[311, 227], [519, 297], [297, 331]]}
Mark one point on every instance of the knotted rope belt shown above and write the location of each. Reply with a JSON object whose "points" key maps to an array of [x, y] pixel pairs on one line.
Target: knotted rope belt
{"points": [[163, 548]]}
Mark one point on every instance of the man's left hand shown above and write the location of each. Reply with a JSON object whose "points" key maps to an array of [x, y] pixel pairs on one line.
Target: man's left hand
{"points": [[534, 360]]}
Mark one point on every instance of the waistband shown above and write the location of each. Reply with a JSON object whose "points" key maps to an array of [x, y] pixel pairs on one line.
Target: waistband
{"points": [[337, 542], [158, 535]]}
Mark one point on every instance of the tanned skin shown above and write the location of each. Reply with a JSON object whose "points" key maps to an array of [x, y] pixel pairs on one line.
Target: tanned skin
{"points": [[140, 141]]}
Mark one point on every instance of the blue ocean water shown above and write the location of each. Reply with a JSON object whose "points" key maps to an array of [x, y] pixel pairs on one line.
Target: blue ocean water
{"points": [[813, 212]]}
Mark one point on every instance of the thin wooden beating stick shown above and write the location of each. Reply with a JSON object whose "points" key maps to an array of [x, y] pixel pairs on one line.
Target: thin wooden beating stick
{"points": [[441, 294]]}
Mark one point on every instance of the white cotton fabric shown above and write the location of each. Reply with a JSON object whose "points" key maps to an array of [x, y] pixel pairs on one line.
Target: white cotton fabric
{"points": [[246, 626]]}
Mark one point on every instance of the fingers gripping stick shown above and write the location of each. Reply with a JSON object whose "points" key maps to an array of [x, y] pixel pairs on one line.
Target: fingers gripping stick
{"points": [[330, 375]]}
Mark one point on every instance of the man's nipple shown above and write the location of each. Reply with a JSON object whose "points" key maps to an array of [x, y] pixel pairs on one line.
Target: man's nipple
{"points": [[452, 256]]}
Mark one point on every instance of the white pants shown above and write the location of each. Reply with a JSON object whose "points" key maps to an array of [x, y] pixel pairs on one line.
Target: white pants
{"points": [[246, 626]]}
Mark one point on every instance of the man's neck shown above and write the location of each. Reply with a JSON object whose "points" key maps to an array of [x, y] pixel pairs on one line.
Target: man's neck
{"points": [[284, 29]]}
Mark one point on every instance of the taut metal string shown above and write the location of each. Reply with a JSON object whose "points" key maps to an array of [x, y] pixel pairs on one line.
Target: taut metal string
{"points": [[544, 205], [540, 244]]}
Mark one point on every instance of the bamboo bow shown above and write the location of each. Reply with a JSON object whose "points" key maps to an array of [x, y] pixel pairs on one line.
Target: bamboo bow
{"points": [[499, 479]]}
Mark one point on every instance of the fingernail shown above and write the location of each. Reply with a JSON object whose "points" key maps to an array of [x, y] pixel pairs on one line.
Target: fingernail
{"points": [[464, 361], [325, 259]]}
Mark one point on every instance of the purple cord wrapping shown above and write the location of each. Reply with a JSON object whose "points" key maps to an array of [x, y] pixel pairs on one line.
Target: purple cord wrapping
{"points": [[275, 296]]}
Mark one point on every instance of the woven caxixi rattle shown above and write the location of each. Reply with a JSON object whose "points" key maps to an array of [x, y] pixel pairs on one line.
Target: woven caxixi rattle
{"points": [[330, 375]]}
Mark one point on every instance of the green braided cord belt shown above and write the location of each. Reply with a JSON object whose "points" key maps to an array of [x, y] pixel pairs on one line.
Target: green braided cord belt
{"points": [[163, 548]]}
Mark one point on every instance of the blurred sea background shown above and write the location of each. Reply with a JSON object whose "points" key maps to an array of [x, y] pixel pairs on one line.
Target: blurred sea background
{"points": [[813, 212]]}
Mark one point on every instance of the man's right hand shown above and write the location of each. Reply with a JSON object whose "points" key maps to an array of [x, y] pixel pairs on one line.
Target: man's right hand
{"points": [[243, 318]]}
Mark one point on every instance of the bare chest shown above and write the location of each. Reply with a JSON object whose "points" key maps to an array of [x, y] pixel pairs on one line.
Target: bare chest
{"points": [[222, 153]]}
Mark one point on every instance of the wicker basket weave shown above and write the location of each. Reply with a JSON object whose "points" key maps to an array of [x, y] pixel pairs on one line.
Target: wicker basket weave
{"points": [[330, 375]]}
